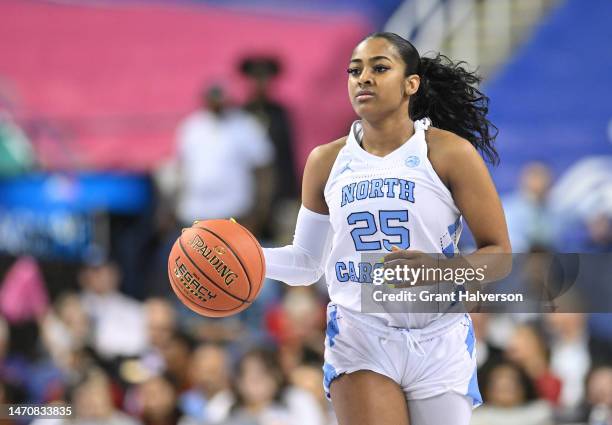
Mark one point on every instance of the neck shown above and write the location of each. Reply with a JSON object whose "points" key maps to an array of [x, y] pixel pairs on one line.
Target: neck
{"points": [[381, 138], [572, 334], [256, 407], [210, 392], [536, 368]]}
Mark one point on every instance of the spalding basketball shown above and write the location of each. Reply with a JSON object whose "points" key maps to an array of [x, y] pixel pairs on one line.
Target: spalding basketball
{"points": [[216, 268]]}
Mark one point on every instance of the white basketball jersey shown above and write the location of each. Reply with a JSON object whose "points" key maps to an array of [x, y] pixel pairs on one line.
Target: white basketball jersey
{"points": [[377, 202]]}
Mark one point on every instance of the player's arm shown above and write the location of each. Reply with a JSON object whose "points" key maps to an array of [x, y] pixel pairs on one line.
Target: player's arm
{"points": [[470, 183], [476, 197], [301, 263], [463, 171], [316, 172]]}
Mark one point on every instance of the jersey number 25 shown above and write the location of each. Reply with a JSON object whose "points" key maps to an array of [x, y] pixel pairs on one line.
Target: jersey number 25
{"points": [[400, 234]]}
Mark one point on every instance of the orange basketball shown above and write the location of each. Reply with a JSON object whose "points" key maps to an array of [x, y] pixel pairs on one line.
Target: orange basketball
{"points": [[216, 268]]}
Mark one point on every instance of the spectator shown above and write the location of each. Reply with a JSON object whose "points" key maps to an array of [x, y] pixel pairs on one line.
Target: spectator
{"points": [[510, 399], [590, 234], [159, 403], [531, 222], [600, 332], [487, 353], [308, 377], [6, 398], [258, 387], [177, 359], [262, 395], [223, 155], [226, 330], [600, 232], [93, 403], [9, 392], [66, 334], [210, 397], [26, 368], [570, 359], [599, 395], [297, 325], [528, 349], [161, 326], [66, 329], [111, 311], [273, 116]]}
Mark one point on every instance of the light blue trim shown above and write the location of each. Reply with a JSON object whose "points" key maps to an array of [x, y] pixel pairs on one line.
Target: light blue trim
{"points": [[329, 374], [473, 390], [332, 326], [470, 340], [453, 227], [449, 251]]}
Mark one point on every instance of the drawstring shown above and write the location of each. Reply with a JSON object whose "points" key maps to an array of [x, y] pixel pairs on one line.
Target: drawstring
{"points": [[411, 340], [413, 343]]}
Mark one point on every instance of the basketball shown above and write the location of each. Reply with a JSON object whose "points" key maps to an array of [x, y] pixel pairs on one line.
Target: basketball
{"points": [[216, 268]]}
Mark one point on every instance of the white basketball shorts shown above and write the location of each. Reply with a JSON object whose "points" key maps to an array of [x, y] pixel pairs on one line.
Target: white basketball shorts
{"points": [[424, 362]]}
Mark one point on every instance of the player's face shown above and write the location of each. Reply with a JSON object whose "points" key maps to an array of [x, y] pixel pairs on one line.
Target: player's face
{"points": [[376, 83]]}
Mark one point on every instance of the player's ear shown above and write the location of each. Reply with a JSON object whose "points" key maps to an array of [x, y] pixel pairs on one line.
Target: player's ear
{"points": [[411, 84]]}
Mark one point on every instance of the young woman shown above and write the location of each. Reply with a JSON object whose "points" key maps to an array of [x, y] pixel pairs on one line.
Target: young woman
{"points": [[400, 181]]}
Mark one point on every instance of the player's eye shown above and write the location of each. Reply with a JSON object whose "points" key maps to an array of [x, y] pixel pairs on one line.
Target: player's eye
{"points": [[381, 68], [353, 71]]}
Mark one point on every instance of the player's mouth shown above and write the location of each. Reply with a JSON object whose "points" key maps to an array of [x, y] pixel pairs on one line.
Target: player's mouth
{"points": [[364, 95]]}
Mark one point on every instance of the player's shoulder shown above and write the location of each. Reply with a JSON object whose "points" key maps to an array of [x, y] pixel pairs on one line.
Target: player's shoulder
{"points": [[444, 144], [450, 154], [328, 152], [320, 162]]}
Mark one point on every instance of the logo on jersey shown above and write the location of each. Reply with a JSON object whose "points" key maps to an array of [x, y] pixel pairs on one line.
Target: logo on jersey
{"points": [[347, 167], [412, 161]]}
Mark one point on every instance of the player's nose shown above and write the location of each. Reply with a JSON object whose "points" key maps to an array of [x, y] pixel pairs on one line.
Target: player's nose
{"points": [[365, 78]]}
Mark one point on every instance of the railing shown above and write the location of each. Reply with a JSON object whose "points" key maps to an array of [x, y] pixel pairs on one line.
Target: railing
{"points": [[481, 32]]}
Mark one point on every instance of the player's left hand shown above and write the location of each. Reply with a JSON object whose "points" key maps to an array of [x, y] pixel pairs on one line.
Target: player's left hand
{"points": [[413, 259]]}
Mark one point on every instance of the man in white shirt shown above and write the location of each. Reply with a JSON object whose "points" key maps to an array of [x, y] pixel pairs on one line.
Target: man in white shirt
{"points": [[118, 321], [223, 160]]}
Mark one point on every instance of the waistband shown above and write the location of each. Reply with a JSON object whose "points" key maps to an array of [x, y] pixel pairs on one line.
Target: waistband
{"points": [[439, 327]]}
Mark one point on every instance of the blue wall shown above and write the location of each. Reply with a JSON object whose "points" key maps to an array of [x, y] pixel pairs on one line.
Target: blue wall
{"points": [[553, 100]]}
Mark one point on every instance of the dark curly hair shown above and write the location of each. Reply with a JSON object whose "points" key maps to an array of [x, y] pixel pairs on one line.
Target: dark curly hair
{"points": [[448, 95]]}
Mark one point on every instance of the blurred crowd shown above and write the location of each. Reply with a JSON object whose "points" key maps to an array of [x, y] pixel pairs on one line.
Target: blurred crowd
{"points": [[119, 360], [118, 346]]}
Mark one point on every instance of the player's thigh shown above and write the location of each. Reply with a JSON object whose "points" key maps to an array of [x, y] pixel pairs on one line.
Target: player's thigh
{"points": [[368, 398], [447, 408]]}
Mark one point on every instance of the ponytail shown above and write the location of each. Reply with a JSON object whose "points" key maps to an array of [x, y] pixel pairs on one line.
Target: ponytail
{"points": [[449, 96]]}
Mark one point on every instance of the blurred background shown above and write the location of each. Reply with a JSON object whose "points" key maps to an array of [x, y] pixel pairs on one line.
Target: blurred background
{"points": [[123, 121]]}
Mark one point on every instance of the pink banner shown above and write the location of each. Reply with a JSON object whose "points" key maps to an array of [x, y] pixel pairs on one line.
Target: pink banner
{"points": [[102, 86]]}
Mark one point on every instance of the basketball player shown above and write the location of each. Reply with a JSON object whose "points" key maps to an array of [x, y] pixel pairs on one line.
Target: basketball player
{"points": [[405, 176]]}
